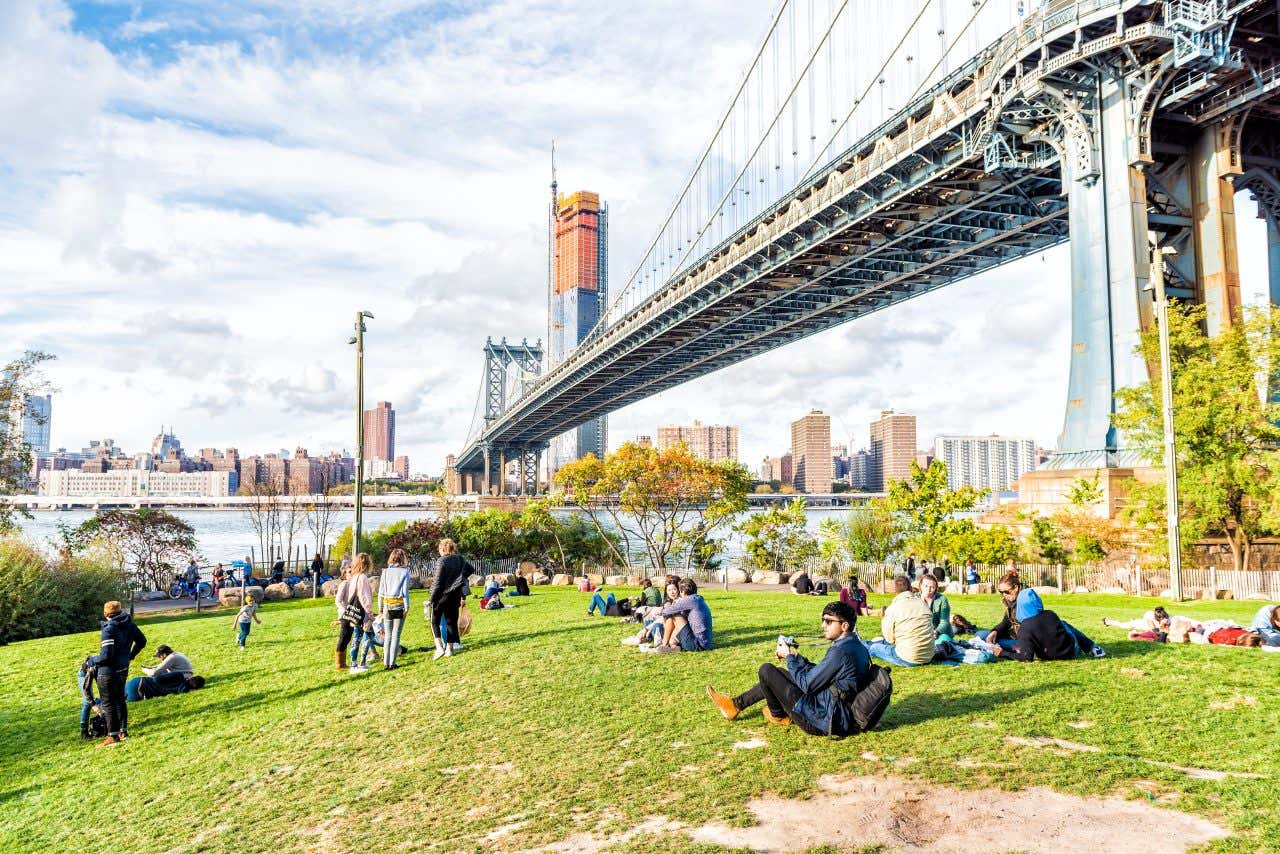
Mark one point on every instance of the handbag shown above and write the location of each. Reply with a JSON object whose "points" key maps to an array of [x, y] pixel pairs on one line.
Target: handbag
{"points": [[464, 619], [395, 612], [353, 614]]}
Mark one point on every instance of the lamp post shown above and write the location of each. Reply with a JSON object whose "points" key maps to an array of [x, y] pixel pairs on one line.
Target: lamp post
{"points": [[358, 340], [1166, 406]]}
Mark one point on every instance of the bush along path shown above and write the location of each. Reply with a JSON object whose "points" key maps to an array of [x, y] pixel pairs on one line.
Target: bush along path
{"points": [[547, 729]]}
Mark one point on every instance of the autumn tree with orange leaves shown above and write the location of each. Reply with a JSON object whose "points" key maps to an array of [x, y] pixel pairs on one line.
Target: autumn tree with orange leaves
{"points": [[665, 504]]}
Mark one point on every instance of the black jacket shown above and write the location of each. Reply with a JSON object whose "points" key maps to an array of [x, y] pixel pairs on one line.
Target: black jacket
{"points": [[122, 640], [1007, 629], [1043, 636], [453, 577]]}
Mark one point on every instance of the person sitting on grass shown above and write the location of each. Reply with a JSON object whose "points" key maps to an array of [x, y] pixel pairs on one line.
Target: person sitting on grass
{"points": [[907, 625], [805, 693], [854, 595], [686, 622], [1041, 633], [937, 603], [1005, 633], [650, 616], [801, 584], [650, 596], [1267, 624]]}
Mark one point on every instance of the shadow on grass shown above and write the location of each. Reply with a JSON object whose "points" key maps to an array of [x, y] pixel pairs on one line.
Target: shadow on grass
{"points": [[928, 706]]}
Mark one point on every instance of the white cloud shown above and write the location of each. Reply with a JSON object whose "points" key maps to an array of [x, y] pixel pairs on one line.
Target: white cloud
{"points": [[194, 219]]}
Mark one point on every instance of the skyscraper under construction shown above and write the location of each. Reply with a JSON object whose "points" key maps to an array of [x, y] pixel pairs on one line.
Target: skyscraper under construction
{"points": [[578, 289]]}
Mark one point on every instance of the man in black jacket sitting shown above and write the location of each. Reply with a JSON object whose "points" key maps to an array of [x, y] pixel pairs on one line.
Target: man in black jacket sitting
{"points": [[121, 642]]}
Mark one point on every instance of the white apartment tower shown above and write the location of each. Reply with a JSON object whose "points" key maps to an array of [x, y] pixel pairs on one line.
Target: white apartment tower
{"points": [[985, 462]]}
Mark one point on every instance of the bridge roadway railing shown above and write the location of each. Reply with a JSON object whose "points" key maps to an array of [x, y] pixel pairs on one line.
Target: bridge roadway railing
{"points": [[974, 92]]}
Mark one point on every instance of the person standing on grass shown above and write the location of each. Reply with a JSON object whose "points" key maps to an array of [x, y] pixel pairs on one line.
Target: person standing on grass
{"points": [[393, 604], [245, 618], [907, 625], [355, 607], [120, 643], [449, 588], [807, 694]]}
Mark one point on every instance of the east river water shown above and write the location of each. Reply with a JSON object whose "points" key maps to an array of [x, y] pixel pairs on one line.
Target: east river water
{"points": [[226, 535]]}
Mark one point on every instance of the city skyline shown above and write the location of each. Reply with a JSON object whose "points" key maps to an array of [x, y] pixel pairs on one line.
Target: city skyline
{"points": [[266, 214]]}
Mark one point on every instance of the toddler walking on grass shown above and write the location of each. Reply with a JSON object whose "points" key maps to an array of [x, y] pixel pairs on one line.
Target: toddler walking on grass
{"points": [[245, 619]]}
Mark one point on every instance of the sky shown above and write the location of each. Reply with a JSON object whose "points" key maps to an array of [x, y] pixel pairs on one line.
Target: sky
{"points": [[198, 196]]}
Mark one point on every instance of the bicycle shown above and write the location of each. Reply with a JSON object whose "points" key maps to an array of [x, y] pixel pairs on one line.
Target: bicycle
{"points": [[181, 588]]}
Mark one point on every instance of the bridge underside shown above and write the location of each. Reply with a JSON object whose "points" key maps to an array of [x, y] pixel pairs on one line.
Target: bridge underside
{"points": [[1091, 132]]}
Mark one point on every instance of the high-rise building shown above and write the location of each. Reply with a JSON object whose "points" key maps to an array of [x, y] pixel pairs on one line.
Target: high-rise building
{"points": [[893, 447], [380, 432], [32, 414], [714, 442], [402, 467], [859, 470], [577, 297], [985, 462], [811, 452], [644, 441], [779, 469]]}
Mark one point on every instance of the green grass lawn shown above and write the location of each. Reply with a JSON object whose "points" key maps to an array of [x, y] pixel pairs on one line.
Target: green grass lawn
{"points": [[547, 723]]}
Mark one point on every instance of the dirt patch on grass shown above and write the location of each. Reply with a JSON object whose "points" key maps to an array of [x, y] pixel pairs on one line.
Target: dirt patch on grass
{"points": [[912, 816], [1060, 745]]}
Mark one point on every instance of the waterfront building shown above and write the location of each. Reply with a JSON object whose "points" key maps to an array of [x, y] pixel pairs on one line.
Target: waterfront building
{"points": [[779, 469], [986, 462], [166, 444], [577, 296], [893, 447], [29, 420], [135, 483], [402, 467], [380, 432], [811, 452], [859, 472], [714, 442], [644, 441]]}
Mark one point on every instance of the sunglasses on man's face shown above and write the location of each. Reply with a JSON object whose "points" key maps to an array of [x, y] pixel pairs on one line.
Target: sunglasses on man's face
{"points": [[826, 620]]}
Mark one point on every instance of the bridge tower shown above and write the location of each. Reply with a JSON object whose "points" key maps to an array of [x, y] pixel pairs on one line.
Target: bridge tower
{"points": [[499, 359]]}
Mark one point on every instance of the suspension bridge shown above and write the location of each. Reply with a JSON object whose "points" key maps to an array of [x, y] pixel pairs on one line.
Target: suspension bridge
{"points": [[835, 187]]}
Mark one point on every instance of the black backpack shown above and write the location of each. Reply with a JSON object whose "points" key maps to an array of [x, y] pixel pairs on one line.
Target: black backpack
{"points": [[868, 705]]}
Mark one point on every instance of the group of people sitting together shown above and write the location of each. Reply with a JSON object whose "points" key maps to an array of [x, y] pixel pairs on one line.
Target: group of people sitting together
{"points": [[1158, 626], [673, 619], [107, 671]]}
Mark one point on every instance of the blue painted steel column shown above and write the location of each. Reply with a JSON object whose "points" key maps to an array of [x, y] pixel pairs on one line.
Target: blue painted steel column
{"points": [[1109, 269], [1273, 258], [1217, 264]]}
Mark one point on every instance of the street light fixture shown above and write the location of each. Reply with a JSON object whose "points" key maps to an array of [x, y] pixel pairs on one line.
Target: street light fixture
{"points": [[358, 340], [1158, 254]]}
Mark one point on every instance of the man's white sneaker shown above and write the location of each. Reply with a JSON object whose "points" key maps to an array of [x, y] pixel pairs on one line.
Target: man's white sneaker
{"points": [[440, 653], [359, 668]]}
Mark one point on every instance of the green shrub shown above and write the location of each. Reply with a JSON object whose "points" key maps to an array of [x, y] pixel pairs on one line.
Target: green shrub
{"points": [[40, 598]]}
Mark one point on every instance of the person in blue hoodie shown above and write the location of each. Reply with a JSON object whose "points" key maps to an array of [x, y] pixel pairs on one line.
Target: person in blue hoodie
{"points": [[1267, 624], [121, 642], [806, 693], [1041, 633]]}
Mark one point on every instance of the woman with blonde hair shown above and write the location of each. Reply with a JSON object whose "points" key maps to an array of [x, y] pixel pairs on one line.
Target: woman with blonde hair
{"points": [[355, 608], [450, 586], [393, 603]]}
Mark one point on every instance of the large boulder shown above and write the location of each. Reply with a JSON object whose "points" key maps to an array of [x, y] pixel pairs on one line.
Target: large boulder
{"points": [[1079, 588], [634, 580], [771, 578], [330, 587], [739, 576], [277, 592], [527, 567], [616, 580], [595, 578], [302, 590], [562, 579], [954, 588], [475, 581], [417, 581], [230, 596], [506, 579], [1047, 590], [539, 578], [151, 596]]}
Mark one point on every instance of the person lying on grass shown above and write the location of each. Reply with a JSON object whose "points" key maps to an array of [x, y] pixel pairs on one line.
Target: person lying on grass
{"points": [[907, 625], [805, 693], [1155, 620], [686, 622]]}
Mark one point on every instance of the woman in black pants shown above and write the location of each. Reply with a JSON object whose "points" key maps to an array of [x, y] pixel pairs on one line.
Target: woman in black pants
{"points": [[450, 587]]}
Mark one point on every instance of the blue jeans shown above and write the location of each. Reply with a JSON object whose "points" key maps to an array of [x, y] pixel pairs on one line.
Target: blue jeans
{"points": [[86, 700], [361, 645], [132, 693], [244, 633], [884, 651], [602, 604], [1270, 637], [1084, 645]]}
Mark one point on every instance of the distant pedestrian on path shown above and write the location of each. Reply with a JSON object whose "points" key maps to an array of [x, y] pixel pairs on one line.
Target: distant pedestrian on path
{"points": [[393, 603], [449, 588]]}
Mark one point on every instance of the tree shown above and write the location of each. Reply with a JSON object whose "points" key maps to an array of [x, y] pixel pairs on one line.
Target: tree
{"points": [[145, 543], [991, 545], [778, 539], [1227, 426], [870, 534], [19, 379], [926, 508], [538, 521], [264, 515], [1084, 492], [292, 519], [1045, 536], [321, 511], [666, 501]]}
